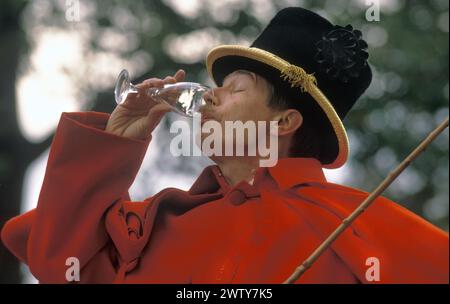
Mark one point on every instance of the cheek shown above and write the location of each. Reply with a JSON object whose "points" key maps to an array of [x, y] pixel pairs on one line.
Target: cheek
{"points": [[254, 109], [232, 110], [243, 108]]}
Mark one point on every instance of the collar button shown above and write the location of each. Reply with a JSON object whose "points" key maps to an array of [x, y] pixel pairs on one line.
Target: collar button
{"points": [[237, 197]]}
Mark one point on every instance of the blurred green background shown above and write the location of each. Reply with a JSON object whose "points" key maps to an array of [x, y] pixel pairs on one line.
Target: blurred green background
{"points": [[63, 55]]}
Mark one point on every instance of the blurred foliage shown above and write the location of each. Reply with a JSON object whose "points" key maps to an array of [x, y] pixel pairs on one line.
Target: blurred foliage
{"points": [[407, 99]]}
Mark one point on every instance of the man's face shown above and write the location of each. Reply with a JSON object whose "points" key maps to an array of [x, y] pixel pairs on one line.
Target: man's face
{"points": [[243, 97]]}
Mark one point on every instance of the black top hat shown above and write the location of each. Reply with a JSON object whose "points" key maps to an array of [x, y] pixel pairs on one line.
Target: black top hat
{"points": [[313, 62]]}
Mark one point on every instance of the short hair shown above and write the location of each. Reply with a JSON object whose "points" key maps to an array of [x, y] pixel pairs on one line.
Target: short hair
{"points": [[306, 141]]}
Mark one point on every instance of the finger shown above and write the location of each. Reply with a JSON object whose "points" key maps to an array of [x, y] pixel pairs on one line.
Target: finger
{"points": [[179, 75], [170, 79], [149, 83]]}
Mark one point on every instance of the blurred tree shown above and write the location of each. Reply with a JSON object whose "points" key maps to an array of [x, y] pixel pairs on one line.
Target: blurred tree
{"points": [[16, 153], [408, 97]]}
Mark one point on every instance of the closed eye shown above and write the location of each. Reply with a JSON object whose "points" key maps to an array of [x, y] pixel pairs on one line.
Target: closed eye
{"points": [[238, 90]]}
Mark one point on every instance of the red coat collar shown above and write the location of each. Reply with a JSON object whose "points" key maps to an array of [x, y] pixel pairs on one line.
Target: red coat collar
{"points": [[287, 173]]}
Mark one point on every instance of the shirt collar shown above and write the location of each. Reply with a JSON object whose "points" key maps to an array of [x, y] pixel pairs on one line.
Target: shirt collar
{"points": [[209, 181], [287, 173]]}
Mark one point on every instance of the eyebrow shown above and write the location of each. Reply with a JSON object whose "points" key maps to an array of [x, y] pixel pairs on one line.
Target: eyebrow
{"points": [[243, 72]]}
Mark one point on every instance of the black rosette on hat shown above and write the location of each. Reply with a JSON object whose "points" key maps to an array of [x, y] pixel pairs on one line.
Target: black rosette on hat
{"points": [[341, 53]]}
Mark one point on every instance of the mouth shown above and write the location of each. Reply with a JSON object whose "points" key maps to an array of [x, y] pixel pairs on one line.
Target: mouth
{"points": [[206, 117]]}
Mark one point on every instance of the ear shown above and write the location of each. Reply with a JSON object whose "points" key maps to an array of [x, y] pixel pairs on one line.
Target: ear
{"points": [[289, 121]]}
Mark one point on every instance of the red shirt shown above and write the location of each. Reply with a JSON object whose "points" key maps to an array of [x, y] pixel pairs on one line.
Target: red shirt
{"points": [[213, 233]]}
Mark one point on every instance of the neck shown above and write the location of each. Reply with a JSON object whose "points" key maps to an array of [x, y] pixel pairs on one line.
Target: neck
{"points": [[237, 169]]}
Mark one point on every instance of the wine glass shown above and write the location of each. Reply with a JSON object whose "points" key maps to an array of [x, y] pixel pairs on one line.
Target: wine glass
{"points": [[185, 98]]}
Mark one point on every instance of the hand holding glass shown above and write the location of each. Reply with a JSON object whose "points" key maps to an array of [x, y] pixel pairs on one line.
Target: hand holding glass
{"points": [[185, 98]]}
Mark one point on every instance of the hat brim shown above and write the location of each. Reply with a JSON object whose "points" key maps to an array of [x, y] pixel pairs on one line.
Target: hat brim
{"points": [[274, 65]]}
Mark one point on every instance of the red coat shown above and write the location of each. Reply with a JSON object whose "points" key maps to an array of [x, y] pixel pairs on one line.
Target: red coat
{"points": [[213, 233]]}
